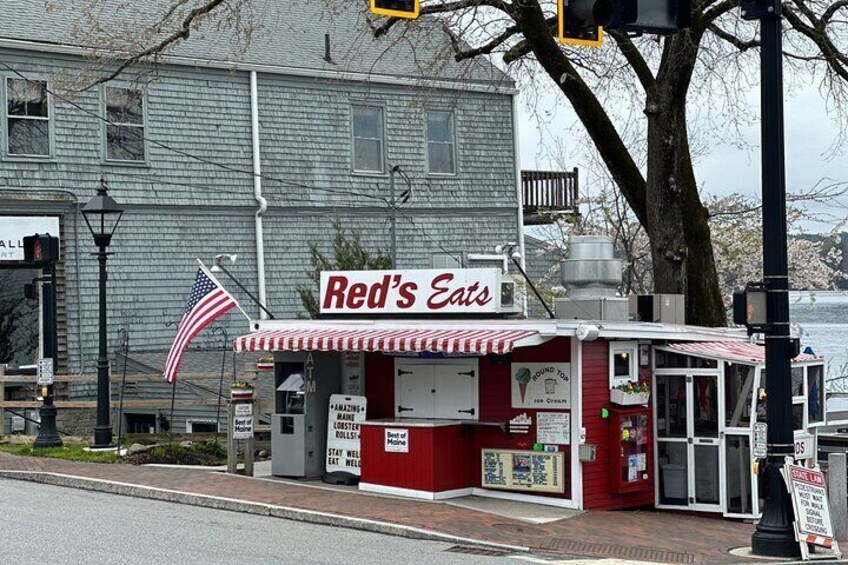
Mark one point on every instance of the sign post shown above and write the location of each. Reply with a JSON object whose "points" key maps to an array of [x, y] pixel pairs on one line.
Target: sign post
{"points": [[240, 419], [810, 505]]}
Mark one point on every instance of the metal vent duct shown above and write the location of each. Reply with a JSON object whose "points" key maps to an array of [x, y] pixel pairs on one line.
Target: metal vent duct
{"points": [[591, 276]]}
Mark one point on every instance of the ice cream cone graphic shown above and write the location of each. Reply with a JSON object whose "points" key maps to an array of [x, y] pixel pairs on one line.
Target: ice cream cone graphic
{"points": [[523, 378]]}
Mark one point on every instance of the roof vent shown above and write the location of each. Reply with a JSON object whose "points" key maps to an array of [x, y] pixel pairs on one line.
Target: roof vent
{"points": [[591, 276]]}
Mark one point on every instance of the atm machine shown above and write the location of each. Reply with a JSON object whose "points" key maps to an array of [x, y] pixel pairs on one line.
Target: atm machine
{"points": [[304, 382]]}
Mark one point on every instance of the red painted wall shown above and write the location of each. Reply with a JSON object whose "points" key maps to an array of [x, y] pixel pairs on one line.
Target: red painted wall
{"points": [[596, 481], [439, 459], [379, 386]]}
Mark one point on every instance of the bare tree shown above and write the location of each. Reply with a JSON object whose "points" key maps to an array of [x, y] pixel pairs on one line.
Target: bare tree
{"points": [[651, 80]]}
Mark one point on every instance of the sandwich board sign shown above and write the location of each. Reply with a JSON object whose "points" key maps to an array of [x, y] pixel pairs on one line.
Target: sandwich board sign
{"points": [[809, 502]]}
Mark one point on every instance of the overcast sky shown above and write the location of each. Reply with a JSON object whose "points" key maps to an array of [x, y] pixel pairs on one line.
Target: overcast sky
{"points": [[726, 169]]}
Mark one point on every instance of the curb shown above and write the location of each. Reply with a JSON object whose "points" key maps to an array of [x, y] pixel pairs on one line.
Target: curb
{"points": [[258, 508]]}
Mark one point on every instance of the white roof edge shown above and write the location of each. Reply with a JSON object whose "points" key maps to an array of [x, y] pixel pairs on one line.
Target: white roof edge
{"points": [[546, 328], [276, 69]]}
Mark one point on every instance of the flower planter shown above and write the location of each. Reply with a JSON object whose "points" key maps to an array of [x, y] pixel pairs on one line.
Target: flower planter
{"points": [[241, 393], [622, 398]]}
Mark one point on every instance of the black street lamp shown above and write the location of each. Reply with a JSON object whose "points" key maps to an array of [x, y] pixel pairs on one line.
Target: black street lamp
{"points": [[102, 215]]}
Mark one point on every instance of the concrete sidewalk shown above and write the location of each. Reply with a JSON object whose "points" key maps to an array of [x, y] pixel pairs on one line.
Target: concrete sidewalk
{"points": [[660, 537]]}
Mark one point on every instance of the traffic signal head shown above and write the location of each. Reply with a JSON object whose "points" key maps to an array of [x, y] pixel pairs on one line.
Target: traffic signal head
{"points": [[576, 23], [408, 9], [661, 17], [750, 308], [40, 249]]}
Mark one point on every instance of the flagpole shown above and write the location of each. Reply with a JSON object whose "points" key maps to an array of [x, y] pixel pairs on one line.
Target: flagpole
{"points": [[173, 400], [211, 276]]}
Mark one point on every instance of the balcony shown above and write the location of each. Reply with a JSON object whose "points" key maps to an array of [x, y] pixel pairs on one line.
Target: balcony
{"points": [[548, 196]]}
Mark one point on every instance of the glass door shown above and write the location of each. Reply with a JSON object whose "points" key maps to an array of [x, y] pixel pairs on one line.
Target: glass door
{"points": [[672, 455], [705, 440]]}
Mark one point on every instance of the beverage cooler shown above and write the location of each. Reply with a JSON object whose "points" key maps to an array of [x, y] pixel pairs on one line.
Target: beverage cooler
{"points": [[631, 465]]}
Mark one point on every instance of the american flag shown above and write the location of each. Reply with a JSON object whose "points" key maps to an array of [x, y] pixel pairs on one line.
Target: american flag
{"points": [[207, 301]]}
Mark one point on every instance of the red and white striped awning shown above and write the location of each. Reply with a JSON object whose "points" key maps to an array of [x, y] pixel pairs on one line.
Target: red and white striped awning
{"points": [[395, 340], [737, 351]]}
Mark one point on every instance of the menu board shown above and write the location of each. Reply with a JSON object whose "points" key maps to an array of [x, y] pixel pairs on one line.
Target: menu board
{"points": [[525, 471], [553, 427]]}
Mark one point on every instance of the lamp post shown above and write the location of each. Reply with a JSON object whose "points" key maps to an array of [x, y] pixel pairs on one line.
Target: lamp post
{"points": [[102, 215]]}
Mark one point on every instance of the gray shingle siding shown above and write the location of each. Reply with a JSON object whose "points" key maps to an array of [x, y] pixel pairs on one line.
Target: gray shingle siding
{"points": [[179, 208]]}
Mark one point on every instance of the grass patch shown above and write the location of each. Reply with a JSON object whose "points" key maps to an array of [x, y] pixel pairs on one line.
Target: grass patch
{"points": [[68, 452]]}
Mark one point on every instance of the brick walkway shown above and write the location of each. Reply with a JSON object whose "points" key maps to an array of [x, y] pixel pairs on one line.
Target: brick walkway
{"points": [[663, 537]]}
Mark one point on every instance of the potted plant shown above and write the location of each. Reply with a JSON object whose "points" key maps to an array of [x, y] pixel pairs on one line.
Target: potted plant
{"points": [[265, 364], [631, 394], [240, 390]]}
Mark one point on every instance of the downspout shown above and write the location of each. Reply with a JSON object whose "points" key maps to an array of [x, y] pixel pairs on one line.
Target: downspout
{"points": [[519, 195], [257, 193]]}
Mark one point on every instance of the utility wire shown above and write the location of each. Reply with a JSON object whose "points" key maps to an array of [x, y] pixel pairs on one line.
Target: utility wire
{"points": [[198, 158]]}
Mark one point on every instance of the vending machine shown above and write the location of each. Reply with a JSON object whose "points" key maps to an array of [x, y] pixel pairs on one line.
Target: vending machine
{"points": [[304, 383], [631, 465]]}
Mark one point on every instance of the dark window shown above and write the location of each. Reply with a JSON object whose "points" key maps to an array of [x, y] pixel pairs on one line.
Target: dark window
{"points": [[125, 127], [368, 139], [27, 118], [440, 143], [203, 427], [815, 393]]}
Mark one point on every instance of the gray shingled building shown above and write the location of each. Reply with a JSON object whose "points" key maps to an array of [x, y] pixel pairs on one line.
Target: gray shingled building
{"points": [[336, 110]]}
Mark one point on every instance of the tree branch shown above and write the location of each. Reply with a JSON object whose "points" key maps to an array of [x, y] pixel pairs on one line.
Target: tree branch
{"points": [[741, 44], [181, 34], [635, 59], [455, 6]]}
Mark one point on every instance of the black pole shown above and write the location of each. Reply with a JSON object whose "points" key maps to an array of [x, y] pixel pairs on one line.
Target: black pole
{"points": [[103, 429], [125, 338], [173, 401], [221, 382], [393, 217], [533, 287], [775, 535], [48, 435], [250, 294]]}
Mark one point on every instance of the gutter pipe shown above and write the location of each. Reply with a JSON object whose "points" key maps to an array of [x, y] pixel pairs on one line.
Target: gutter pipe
{"points": [[257, 193]]}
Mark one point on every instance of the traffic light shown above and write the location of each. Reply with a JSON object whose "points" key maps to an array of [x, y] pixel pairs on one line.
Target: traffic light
{"points": [[408, 9], [41, 249], [576, 24], [661, 17], [750, 308], [582, 22]]}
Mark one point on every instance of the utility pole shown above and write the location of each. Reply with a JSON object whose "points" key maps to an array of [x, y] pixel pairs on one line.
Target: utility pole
{"points": [[393, 206], [775, 535]]}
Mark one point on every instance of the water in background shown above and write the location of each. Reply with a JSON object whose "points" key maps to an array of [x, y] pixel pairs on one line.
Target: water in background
{"points": [[823, 319]]}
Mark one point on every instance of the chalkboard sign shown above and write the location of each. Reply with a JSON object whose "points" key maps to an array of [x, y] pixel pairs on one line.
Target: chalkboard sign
{"points": [[523, 471]]}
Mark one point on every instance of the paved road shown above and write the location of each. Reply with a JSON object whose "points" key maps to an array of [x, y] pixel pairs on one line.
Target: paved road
{"points": [[42, 524]]}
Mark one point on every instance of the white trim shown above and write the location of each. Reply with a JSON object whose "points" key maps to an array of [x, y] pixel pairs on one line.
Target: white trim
{"points": [[231, 66], [533, 499], [520, 197], [414, 493], [631, 348], [189, 424], [576, 421]]}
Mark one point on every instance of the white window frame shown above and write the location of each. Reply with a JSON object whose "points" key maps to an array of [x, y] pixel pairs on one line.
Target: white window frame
{"points": [[354, 137], [632, 349], [189, 423], [452, 143], [446, 260], [48, 119], [105, 126]]}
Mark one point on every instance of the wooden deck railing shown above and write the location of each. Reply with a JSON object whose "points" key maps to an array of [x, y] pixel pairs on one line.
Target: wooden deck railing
{"points": [[549, 191]]}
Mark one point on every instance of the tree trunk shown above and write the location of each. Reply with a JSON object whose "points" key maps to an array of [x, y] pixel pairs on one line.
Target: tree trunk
{"points": [[678, 224]]}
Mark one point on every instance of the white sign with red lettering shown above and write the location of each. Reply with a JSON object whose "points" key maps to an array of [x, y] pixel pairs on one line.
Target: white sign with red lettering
{"points": [[416, 291], [809, 498]]}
